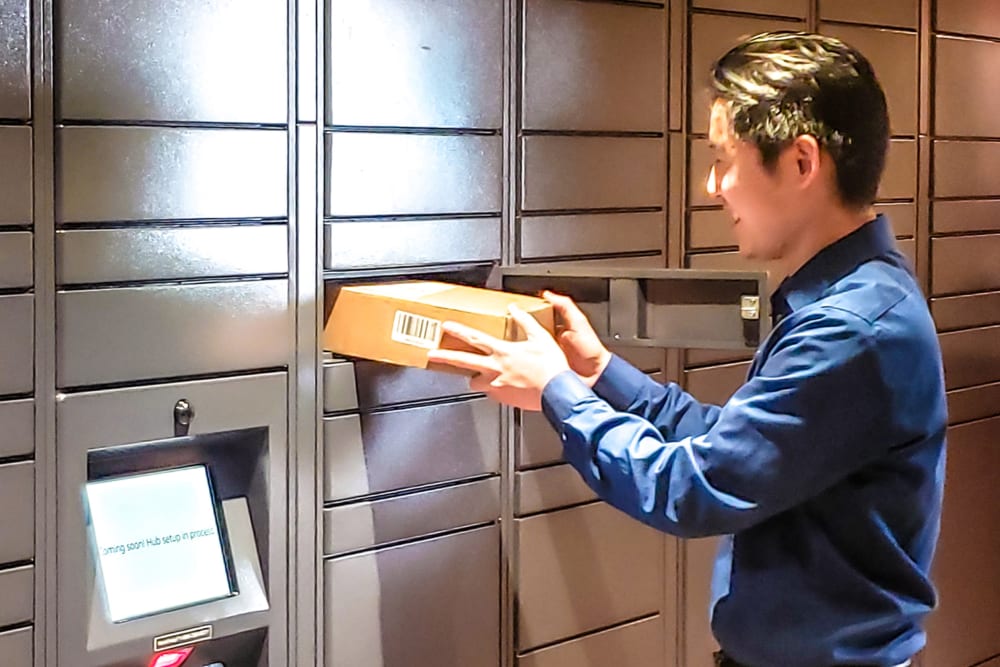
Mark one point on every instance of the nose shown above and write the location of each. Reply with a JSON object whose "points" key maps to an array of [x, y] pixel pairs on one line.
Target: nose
{"points": [[712, 183]]}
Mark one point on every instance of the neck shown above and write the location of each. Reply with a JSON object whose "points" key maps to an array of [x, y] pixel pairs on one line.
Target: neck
{"points": [[822, 230]]}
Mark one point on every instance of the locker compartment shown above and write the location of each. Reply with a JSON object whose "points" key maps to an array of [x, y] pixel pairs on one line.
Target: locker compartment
{"points": [[15, 86], [17, 423], [379, 244], [965, 264], [964, 312], [712, 36], [652, 261], [563, 235], [128, 334], [16, 647], [384, 384], [709, 228], [648, 359], [339, 389], [164, 173], [89, 256], [15, 259], [723, 261], [537, 442], [15, 175], [698, 641], [219, 404], [795, 8], [902, 216], [592, 172], [185, 60], [965, 571], [970, 17], [716, 384], [971, 357], [638, 644], [899, 180], [410, 447], [592, 66], [17, 325], [17, 595], [379, 522], [435, 602], [571, 576], [902, 13], [966, 405], [549, 488], [17, 522], [894, 55], [963, 105], [706, 357], [412, 174], [966, 168], [966, 216], [909, 249], [415, 63]]}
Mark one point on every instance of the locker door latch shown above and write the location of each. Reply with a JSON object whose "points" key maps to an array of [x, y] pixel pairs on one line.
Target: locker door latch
{"points": [[183, 416]]}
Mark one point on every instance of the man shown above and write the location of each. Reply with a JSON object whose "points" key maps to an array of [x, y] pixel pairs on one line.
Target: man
{"points": [[825, 469]]}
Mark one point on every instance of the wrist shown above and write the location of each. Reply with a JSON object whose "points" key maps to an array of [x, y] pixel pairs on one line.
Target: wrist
{"points": [[597, 366], [603, 359]]}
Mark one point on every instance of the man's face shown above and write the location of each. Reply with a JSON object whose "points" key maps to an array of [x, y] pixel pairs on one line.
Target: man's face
{"points": [[763, 205]]}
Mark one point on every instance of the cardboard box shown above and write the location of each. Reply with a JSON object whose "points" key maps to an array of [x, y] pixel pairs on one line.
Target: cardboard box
{"points": [[398, 323]]}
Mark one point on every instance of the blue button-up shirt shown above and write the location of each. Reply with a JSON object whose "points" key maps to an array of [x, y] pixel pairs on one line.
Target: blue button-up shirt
{"points": [[824, 471]]}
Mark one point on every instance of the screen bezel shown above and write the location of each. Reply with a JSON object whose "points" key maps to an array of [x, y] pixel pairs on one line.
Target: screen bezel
{"points": [[220, 527]]}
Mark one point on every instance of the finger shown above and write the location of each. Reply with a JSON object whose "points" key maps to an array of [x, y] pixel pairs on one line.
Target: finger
{"points": [[474, 337], [565, 307], [531, 326], [481, 382], [470, 361]]}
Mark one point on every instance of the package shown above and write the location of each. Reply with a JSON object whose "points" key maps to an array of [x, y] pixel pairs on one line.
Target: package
{"points": [[399, 322]]}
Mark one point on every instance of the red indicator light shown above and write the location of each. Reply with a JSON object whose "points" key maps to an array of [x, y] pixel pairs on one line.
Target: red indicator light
{"points": [[173, 658]]}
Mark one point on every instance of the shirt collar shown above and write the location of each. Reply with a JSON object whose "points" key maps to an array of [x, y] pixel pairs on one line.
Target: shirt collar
{"points": [[832, 263]]}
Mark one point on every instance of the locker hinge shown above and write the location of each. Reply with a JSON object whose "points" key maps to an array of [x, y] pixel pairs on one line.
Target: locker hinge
{"points": [[750, 307]]}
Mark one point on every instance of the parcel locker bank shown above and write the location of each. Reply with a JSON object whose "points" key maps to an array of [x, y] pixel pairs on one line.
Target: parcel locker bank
{"points": [[171, 524]]}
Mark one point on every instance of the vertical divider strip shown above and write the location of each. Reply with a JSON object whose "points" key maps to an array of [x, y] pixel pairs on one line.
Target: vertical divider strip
{"points": [[44, 266]]}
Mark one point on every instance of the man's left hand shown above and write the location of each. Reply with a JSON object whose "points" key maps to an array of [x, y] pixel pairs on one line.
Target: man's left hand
{"points": [[511, 372]]}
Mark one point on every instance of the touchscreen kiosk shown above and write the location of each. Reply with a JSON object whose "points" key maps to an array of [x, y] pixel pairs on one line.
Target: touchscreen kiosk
{"points": [[174, 531], [160, 542]]}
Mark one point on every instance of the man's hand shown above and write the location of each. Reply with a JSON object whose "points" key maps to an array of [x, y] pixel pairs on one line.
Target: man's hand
{"points": [[511, 372], [584, 351]]}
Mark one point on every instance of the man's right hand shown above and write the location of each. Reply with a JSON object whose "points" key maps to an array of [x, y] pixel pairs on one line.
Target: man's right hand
{"points": [[584, 351]]}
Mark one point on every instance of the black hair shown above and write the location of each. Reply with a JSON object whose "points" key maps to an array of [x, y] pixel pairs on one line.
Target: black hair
{"points": [[782, 85]]}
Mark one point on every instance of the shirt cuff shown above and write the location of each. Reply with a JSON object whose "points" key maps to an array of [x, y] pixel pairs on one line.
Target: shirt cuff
{"points": [[619, 383], [561, 396]]}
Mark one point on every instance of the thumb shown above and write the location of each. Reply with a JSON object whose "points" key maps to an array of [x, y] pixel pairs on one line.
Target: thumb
{"points": [[531, 326]]}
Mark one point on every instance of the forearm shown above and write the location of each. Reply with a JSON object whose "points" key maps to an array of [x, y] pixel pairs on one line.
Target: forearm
{"points": [[632, 466], [674, 412]]}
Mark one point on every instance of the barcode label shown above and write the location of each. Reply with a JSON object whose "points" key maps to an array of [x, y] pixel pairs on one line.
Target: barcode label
{"points": [[416, 330]]}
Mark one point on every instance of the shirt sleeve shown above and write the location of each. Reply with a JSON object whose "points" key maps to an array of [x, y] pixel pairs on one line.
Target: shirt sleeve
{"points": [[674, 412], [808, 418]]}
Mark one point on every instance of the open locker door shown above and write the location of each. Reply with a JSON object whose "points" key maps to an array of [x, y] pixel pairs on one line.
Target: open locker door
{"points": [[677, 308]]}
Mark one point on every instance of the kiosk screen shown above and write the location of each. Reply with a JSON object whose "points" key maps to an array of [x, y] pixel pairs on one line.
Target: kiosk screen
{"points": [[159, 541]]}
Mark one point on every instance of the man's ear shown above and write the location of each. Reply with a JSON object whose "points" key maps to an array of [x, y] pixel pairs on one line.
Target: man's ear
{"points": [[807, 155]]}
